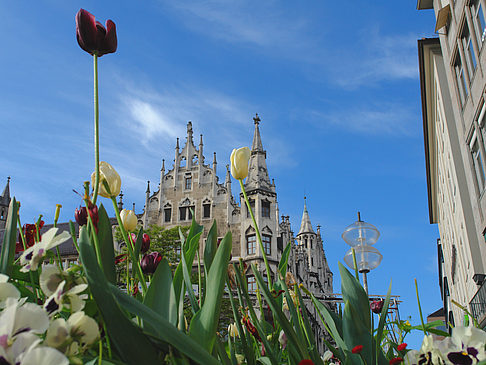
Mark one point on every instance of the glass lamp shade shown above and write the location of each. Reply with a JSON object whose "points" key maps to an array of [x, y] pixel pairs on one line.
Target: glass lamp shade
{"points": [[360, 233], [367, 258]]}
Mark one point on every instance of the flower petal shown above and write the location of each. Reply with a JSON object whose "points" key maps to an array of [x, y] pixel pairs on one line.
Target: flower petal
{"points": [[86, 30]]}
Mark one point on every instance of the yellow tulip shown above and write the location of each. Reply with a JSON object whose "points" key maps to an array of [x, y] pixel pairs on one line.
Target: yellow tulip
{"points": [[233, 330], [239, 162], [108, 173], [129, 219]]}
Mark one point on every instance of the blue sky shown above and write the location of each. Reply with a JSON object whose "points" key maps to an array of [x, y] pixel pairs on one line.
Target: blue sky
{"points": [[335, 84]]}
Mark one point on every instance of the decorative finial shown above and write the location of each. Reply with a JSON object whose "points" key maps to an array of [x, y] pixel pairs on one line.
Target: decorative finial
{"points": [[201, 141], [8, 179], [177, 143], [256, 119]]}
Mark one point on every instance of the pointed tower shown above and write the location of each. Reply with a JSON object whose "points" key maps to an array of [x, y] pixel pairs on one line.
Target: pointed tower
{"points": [[4, 204], [307, 239], [263, 200]]}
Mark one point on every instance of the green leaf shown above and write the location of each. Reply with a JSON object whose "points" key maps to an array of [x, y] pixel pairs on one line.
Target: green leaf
{"points": [[129, 341], [333, 322], [282, 266], [264, 360], [160, 295], [188, 283], [356, 333], [383, 314], [165, 331], [188, 249], [314, 353], [211, 246], [205, 322], [277, 311], [107, 249], [138, 244], [9, 238], [354, 293]]}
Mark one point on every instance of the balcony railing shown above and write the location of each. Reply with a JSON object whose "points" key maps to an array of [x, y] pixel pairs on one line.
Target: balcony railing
{"points": [[478, 303]]}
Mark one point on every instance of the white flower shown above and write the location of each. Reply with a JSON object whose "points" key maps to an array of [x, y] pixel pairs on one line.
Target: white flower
{"points": [[33, 256], [7, 290], [19, 324], [466, 345], [239, 162], [66, 298], [282, 339], [78, 332], [44, 356], [327, 356], [50, 278], [83, 328]]}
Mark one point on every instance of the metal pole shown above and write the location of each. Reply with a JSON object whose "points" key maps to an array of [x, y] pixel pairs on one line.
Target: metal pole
{"points": [[365, 282]]}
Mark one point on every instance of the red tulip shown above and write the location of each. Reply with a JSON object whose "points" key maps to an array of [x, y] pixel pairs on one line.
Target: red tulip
{"points": [[150, 262], [376, 306], [145, 243], [395, 360], [306, 362], [81, 215], [357, 349], [92, 36]]}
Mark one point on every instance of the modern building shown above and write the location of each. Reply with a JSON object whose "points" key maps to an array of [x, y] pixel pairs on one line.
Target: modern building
{"points": [[453, 85]]}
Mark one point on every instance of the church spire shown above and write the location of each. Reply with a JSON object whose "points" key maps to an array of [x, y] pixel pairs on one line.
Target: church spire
{"points": [[257, 171], [5, 197], [305, 225]]}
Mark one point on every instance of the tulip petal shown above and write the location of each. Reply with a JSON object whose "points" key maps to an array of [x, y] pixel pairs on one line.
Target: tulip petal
{"points": [[86, 30], [110, 42]]}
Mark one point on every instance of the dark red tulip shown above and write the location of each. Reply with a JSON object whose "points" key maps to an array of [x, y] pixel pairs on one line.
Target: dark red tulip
{"points": [[81, 215], [145, 243], [395, 360], [357, 349], [377, 305], [150, 262], [30, 235], [92, 36]]}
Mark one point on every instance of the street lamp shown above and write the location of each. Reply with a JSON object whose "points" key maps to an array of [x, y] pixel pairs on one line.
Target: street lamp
{"points": [[360, 236]]}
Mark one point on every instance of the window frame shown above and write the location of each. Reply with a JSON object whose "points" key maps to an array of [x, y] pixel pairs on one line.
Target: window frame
{"points": [[266, 208], [267, 243], [251, 243]]}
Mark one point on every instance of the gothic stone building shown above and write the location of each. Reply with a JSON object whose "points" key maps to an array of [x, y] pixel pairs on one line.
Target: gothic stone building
{"points": [[191, 185]]}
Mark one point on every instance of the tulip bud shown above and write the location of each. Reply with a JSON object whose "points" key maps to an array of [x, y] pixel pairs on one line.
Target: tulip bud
{"points": [[129, 219], [58, 210], [150, 262], [81, 216], [357, 349], [376, 306], [282, 338], [145, 243], [239, 162], [108, 173], [233, 330]]}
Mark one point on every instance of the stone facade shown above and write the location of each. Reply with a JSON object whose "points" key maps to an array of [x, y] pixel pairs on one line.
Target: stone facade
{"points": [[453, 85], [191, 184]]}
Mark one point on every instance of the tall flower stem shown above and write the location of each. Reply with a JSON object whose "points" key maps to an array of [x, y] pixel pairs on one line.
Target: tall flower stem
{"points": [[25, 248], [135, 263], [96, 129], [267, 267]]}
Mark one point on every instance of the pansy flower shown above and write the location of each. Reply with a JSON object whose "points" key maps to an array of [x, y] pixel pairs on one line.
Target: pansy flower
{"points": [[33, 256]]}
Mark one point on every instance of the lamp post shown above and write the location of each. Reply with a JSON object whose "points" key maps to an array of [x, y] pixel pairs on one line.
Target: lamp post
{"points": [[360, 236]]}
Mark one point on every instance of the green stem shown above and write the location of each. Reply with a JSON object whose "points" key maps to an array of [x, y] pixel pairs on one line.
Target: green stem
{"points": [[267, 267], [96, 130], [420, 308], [25, 248], [356, 273], [135, 263], [200, 301]]}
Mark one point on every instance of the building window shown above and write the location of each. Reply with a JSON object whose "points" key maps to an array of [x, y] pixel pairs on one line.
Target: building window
{"points": [[185, 213], [312, 261], [265, 209], [251, 284], [188, 183], [207, 210], [267, 244], [252, 205], [460, 79], [251, 244], [478, 162], [167, 214], [478, 21], [471, 60]]}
